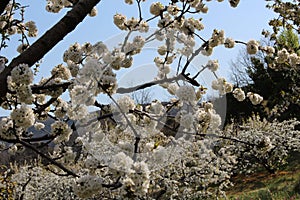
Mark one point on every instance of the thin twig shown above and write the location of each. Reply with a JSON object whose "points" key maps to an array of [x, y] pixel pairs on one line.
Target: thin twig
{"points": [[29, 146], [137, 136], [149, 84]]}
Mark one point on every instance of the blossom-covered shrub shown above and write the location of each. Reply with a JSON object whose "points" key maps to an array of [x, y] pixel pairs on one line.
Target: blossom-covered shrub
{"points": [[263, 144]]}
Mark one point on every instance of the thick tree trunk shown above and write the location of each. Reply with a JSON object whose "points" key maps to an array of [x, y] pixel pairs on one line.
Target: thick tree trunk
{"points": [[46, 42]]}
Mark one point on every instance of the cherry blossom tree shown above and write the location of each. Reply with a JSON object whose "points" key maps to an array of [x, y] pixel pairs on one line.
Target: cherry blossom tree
{"points": [[173, 150]]}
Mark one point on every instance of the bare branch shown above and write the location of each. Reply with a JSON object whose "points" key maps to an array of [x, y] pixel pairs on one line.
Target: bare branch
{"points": [[29, 146], [137, 136], [149, 84], [117, 184], [39, 89], [24, 188]]}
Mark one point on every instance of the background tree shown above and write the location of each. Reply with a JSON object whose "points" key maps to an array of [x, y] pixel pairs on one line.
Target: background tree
{"points": [[278, 84], [142, 96]]}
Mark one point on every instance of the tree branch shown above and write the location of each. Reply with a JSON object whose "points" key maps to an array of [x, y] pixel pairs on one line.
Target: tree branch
{"points": [[117, 184], [29, 146], [39, 89], [149, 84], [46, 42], [3, 5]]}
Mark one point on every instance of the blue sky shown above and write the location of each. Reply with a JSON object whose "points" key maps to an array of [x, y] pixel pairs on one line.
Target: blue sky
{"points": [[242, 23]]}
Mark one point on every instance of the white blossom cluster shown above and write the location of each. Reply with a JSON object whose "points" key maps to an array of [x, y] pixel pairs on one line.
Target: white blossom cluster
{"points": [[239, 94], [62, 154], [186, 93], [190, 25], [74, 53], [123, 23], [207, 117], [22, 74], [168, 51], [156, 8], [93, 77], [61, 108], [87, 186], [12, 21], [202, 169], [77, 112], [48, 83], [252, 47], [126, 103], [138, 181], [222, 86], [156, 107], [23, 117], [283, 56], [130, 48], [92, 69], [122, 162], [31, 28], [20, 81], [61, 131], [269, 50], [61, 72], [203, 119], [217, 38], [187, 120], [178, 169], [229, 43], [188, 44], [56, 6], [80, 95], [42, 185], [254, 98], [212, 65], [138, 174], [10, 25], [6, 129]]}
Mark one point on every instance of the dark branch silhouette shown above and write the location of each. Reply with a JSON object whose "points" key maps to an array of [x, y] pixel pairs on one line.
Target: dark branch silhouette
{"points": [[3, 5], [62, 167], [121, 90]]}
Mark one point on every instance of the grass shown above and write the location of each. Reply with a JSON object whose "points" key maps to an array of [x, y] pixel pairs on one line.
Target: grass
{"points": [[284, 185]]}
